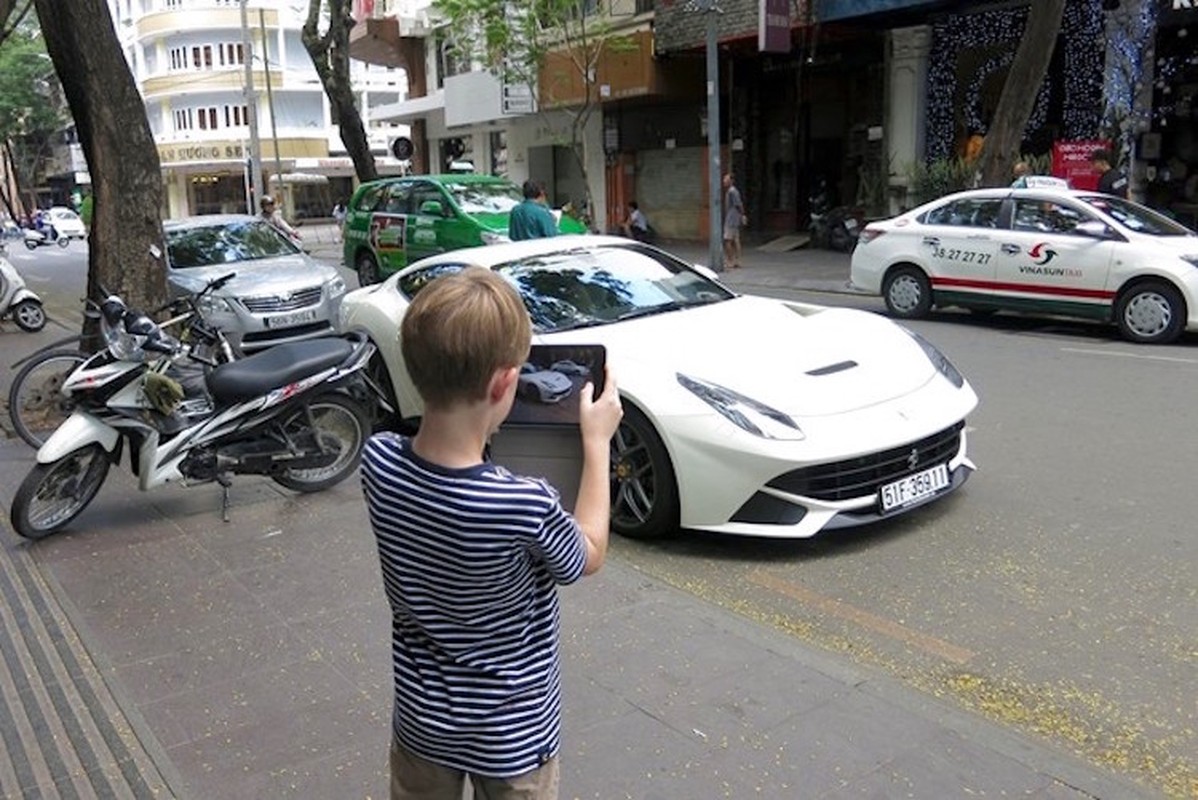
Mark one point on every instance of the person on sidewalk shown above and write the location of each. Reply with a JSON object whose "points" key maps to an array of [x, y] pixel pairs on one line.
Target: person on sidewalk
{"points": [[1112, 180], [531, 219], [734, 218], [636, 225], [472, 554]]}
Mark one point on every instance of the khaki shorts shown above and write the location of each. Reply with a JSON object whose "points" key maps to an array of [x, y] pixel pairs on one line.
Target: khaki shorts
{"points": [[732, 234], [416, 778]]}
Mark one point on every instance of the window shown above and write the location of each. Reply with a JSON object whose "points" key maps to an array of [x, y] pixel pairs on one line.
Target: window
{"points": [[231, 53], [399, 199], [183, 119], [974, 212], [178, 58], [427, 193], [236, 116], [1045, 216], [370, 198], [201, 56], [206, 119]]}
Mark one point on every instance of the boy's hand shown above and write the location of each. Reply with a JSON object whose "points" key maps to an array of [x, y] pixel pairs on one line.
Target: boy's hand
{"points": [[600, 416]]}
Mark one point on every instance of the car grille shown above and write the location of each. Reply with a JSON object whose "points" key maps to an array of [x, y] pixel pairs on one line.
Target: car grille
{"points": [[269, 304], [864, 475]]}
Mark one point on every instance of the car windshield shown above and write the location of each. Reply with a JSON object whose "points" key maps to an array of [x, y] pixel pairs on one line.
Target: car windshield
{"points": [[1135, 216], [485, 198], [211, 245], [594, 286]]}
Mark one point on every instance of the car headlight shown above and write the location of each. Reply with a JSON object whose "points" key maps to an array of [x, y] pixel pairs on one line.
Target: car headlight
{"points": [[938, 359], [744, 412], [493, 237], [336, 287], [211, 304]]}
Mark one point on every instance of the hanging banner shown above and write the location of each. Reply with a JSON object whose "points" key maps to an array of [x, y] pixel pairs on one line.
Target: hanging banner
{"points": [[1071, 161], [773, 26]]}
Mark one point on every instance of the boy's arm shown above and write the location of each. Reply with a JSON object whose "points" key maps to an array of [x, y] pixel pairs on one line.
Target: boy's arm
{"points": [[599, 418]]}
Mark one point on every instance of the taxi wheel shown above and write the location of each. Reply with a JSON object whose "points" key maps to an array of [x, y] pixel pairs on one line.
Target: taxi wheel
{"points": [[368, 269], [1152, 312], [907, 293]]}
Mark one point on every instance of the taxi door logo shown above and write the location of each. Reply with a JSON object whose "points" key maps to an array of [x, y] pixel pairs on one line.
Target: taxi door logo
{"points": [[388, 232], [1042, 253]]}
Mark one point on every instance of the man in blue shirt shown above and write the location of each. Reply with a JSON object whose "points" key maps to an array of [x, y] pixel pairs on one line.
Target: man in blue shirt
{"points": [[531, 219]]}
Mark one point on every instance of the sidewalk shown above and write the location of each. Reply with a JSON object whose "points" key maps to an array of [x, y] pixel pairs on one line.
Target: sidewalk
{"points": [[168, 654]]}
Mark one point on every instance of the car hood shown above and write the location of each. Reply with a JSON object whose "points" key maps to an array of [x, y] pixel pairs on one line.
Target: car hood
{"points": [[261, 276], [806, 361]]}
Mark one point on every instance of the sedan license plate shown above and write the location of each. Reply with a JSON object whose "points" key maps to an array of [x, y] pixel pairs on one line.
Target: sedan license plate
{"points": [[914, 488], [288, 320]]}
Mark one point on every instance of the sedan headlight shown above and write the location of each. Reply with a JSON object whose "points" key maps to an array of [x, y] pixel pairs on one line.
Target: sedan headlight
{"points": [[336, 287], [493, 237], [939, 360], [744, 412], [211, 304]]}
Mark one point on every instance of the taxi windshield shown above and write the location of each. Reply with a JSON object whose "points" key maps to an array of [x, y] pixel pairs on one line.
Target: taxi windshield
{"points": [[485, 198], [1136, 217]]}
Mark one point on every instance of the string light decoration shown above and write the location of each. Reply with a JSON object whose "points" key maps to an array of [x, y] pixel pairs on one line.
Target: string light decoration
{"points": [[1128, 66], [970, 49]]}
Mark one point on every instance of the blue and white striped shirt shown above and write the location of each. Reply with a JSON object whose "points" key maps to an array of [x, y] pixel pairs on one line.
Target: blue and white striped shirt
{"points": [[471, 559]]}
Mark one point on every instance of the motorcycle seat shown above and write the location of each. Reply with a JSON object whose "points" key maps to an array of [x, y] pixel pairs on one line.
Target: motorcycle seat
{"points": [[275, 368]]}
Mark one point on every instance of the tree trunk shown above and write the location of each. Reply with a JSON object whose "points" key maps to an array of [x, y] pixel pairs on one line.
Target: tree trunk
{"points": [[127, 247], [1001, 148], [330, 56]]}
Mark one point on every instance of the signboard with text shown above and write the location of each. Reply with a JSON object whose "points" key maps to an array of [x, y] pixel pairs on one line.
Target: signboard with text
{"points": [[1071, 161], [773, 26], [1176, 12]]}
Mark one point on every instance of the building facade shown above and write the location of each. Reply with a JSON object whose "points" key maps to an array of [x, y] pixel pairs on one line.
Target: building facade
{"points": [[202, 64]]}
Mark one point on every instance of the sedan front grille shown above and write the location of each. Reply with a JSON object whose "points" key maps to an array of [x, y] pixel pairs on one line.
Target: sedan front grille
{"points": [[272, 303], [865, 475]]}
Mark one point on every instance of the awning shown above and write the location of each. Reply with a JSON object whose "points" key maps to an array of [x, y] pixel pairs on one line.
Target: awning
{"points": [[298, 177]]}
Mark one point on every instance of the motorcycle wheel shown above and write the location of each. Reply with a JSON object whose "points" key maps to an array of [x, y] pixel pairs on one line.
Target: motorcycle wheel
{"points": [[32, 245], [53, 494], [63, 241], [36, 404], [30, 316], [341, 423]]}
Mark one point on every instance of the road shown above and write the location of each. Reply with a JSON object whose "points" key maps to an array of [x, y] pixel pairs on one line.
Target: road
{"points": [[1054, 593]]}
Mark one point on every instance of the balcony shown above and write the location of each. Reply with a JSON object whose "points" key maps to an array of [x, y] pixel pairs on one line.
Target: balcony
{"points": [[388, 34]]}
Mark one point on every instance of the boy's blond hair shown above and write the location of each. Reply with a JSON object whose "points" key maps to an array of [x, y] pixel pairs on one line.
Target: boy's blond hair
{"points": [[459, 330]]}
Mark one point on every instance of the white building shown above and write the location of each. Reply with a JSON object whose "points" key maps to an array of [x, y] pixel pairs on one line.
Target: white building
{"points": [[188, 58]]}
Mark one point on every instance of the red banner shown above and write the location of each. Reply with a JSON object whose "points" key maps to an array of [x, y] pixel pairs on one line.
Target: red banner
{"points": [[1071, 161]]}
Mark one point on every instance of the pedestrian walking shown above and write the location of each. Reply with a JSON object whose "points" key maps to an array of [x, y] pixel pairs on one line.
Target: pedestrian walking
{"points": [[532, 218], [734, 218], [472, 554]]}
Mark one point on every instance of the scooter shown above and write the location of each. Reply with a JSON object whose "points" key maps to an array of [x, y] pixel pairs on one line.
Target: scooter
{"points": [[17, 300], [296, 412], [44, 238]]}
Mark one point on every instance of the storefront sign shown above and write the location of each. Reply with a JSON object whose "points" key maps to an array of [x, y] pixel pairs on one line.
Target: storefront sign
{"points": [[216, 151], [1071, 161], [773, 26], [1176, 12]]}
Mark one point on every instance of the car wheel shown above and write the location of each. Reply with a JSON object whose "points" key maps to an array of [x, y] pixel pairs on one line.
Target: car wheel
{"points": [[368, 269], [908, 293], [30, 315], [644, 492], [1152, 312]]}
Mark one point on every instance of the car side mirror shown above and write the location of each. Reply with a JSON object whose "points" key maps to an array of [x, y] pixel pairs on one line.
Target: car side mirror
{"points": [[1092, 228], [432, 208]]}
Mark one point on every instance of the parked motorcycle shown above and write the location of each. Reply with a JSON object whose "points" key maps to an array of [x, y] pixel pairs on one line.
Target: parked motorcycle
{"points": [[832, 228], [17, 300], [295, 412], [44, 238]]}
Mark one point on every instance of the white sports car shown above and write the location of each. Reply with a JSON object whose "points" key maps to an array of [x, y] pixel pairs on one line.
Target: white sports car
{"points": [[742, 414], [1041, 250]]}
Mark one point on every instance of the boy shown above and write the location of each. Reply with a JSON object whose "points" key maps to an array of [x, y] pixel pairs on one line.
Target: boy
{"points": [[472, 555]]}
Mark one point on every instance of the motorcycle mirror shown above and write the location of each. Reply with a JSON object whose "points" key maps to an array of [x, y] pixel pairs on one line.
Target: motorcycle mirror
{"points": [[139, 324], [113, 309]]}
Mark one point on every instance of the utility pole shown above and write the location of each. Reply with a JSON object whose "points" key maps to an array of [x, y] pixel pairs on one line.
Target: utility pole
{"points": [[715, 253], [270, 98], [251, 103]]}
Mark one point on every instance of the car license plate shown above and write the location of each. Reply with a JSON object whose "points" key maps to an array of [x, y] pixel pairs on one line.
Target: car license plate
{"points": [[288, 320], [914, 488]]}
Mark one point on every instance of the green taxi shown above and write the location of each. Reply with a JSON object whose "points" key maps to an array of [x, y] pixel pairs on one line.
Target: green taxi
{"points": [[393, 222]]}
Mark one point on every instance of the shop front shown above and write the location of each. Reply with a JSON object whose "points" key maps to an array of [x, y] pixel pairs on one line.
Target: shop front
{"points": [[1170, 149]]}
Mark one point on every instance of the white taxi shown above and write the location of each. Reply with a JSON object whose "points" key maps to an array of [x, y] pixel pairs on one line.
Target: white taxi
{"points": [[1040, 250]]}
